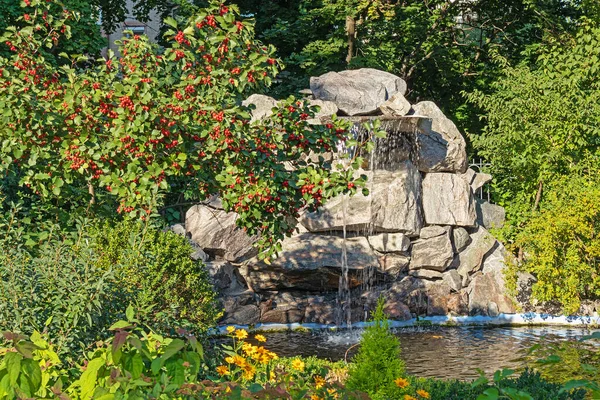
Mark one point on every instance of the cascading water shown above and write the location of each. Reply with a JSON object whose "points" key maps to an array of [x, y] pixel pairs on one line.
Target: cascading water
{"points": [[400, 145]]}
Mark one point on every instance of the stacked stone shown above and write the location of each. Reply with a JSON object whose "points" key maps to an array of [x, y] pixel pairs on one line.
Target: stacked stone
{"points": [[418, 239]]}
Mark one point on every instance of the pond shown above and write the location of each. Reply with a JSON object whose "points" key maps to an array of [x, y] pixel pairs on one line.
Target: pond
{"points": [[440, 352]]}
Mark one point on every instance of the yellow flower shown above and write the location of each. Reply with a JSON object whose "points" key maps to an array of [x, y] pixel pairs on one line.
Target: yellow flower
{"points": [[298, 364], [401, 383], [260, 338], [423, 393], [230, 329], [408, 397], [229, 360], [315, 397], [249, 349], [319, 382], [241, 334], [239, 361], [249, 371], [228, 390], [272, 376], [223, 370]]}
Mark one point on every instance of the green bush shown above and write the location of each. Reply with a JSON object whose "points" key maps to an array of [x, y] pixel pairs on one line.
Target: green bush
{"points": [[561, 244], [75, 284], [59, 289], [159, 274], [377, 363]]}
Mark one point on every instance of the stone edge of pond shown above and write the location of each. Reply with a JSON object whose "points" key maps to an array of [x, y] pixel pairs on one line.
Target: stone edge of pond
{"points": [[525, 319]]}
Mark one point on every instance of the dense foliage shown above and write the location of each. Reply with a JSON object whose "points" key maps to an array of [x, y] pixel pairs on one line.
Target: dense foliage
{"points": [[76, 284], [137, 363], [542, 139], [377, 364], [126, 129]]}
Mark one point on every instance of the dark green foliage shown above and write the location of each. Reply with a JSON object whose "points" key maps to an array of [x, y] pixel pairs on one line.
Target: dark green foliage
{"points": [[75, 284], [528, 381], [377, 363], [159, 273], [87, 37]]}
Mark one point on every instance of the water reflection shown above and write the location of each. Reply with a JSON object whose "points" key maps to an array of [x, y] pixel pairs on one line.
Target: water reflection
{"points": [[434, 352]]}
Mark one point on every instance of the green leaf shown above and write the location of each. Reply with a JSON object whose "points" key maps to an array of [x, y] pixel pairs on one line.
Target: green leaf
{"points": [[129, 313], [120, 325], [170, 21], [489, 394], [87, 382], [13, 366]]}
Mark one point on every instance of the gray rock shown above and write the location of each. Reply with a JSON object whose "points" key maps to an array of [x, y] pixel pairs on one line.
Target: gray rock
{"points": [[356, 92], [216, 233], [320, 310], [396, 106], [432, 231], [310, 262], [178, 229], [327, 109], [391, 82], [264, 105], [489, 215], [434, 253], [225, 277], [199, 255], [426, 274], [283, 308], [447, 200], [442, 148], [390, 242], [391, 206], [460, 239], [240, 309], [495, 259], [476, 179], [485, 289], [393, 264], [471, 258], [453, 279]]}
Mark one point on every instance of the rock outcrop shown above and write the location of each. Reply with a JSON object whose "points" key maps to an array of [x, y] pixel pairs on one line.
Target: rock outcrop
{"points": [[419, 239]]}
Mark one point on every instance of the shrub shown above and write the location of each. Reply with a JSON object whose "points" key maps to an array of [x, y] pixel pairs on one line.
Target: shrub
{"points": [[377, 363], [75, 284], [561, 244], [159, 275], [60, 289]]}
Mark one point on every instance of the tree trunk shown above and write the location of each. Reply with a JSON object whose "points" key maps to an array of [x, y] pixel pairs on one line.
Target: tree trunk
{"points": [[350, 31]]}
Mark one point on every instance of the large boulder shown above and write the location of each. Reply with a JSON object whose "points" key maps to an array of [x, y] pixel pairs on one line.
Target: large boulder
{"points": [[225, 277], [326, 110], [487, 290], [432, 252], [215, 231], [390, 242], [283, 308], [476, 179], [393, 205], [447, 200], [489, 215], [396, 106], [240, 309], [357, 92], [470, 259], [262, 106], [442, 148], [310, 262]]}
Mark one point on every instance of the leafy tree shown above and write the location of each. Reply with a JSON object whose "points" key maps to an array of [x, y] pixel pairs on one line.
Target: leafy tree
{"points": [[86, 35], [127, 128], [439, 47], [543, 141]]}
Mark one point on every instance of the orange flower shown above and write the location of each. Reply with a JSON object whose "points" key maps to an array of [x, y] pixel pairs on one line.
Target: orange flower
{"points": [[239, 361], [423, 393], [401, 383], [319, 382], [222, 370]]}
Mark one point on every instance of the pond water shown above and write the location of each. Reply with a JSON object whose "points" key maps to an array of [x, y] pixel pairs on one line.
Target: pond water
{"points": [[439, 352]]}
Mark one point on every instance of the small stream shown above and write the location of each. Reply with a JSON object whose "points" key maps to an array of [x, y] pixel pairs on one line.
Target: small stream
{"points": [[441, 352]]}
